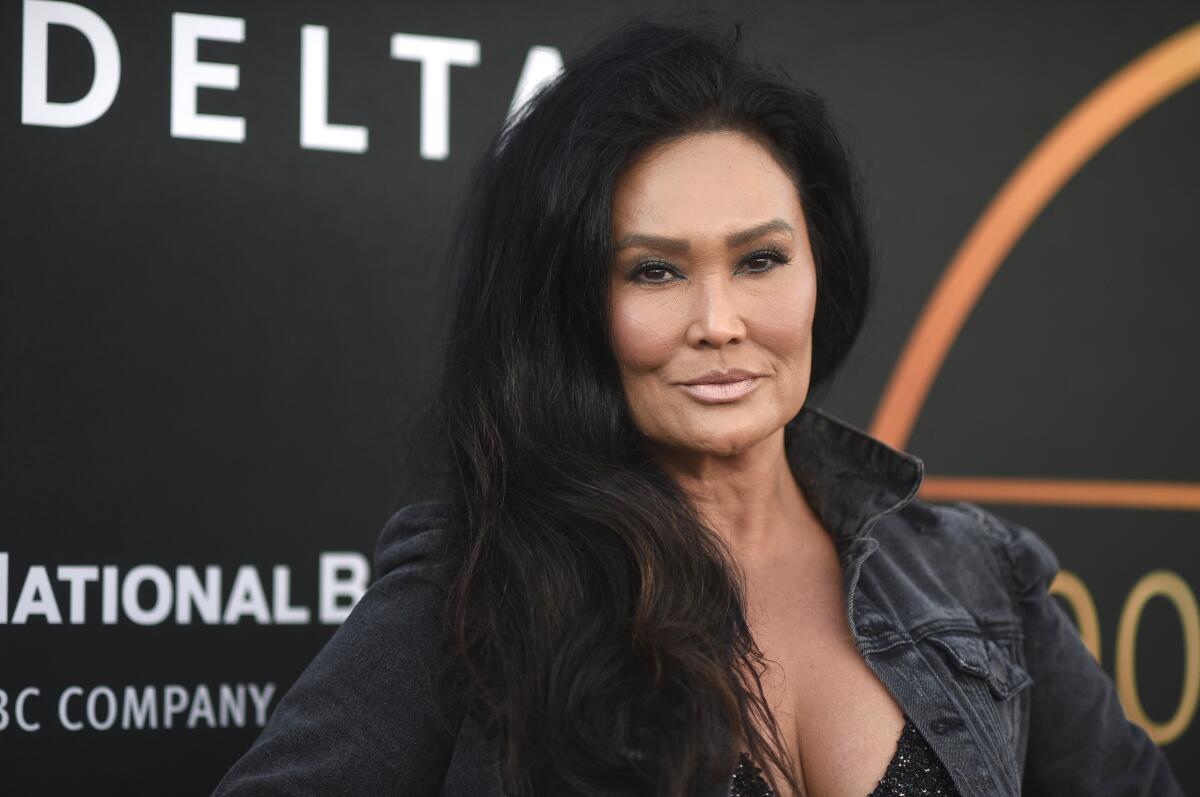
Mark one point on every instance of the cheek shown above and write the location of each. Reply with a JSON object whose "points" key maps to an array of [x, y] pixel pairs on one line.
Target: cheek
{"points": [[644, 333], [783, 319]]}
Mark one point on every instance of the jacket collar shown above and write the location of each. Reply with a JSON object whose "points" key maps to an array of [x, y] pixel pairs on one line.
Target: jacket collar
{"points": [[848, 477]]}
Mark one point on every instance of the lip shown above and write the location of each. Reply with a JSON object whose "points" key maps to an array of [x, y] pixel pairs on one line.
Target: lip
{"points": [[722, 387], [719, 377]]}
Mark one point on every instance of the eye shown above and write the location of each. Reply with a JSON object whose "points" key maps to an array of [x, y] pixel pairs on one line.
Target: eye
{"points": [[652, 272], [765, 259]]}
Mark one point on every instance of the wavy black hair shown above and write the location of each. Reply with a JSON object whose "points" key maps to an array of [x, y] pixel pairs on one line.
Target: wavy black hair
{"points": [[597, 623]]}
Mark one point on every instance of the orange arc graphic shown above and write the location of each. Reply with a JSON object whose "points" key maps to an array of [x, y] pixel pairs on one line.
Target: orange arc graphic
{"points": [[1139, 86], [1064, 492]]}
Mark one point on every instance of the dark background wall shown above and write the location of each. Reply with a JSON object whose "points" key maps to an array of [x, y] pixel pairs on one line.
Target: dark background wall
{"points": [[209, 349]]}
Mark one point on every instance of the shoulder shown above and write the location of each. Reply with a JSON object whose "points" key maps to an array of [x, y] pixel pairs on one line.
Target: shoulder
{"points": [[1031, 562], [960, 553], [414, 541], [398, 619], [364, 716]]}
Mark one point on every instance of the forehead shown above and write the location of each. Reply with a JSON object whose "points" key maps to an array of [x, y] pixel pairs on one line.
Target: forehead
{"points": [[703, 185]]}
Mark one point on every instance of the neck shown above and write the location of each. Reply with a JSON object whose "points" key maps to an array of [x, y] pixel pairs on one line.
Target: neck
{"points": [[751, 499]]}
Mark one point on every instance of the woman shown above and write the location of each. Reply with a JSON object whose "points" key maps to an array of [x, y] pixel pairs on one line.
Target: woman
{"points": [[657, 570]]}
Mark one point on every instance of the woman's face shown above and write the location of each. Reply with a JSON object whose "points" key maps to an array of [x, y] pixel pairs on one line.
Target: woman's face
{"points": [[712, 272]]}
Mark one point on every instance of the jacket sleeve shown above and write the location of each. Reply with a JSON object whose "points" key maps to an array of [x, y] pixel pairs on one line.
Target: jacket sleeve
{"points": [[361, 717], [1080, 741]]}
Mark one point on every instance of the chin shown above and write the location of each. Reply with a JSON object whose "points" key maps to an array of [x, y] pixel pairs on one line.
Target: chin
{"points": [[730, 436]]}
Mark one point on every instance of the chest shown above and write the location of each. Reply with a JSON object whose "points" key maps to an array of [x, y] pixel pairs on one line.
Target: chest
{"points": [[835, 715]]}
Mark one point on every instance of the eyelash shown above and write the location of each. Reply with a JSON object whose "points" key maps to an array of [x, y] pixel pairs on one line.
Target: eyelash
{"points": [[769, 252]]}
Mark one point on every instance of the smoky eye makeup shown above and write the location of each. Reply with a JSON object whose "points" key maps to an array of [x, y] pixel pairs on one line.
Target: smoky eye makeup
{"points": [[772, 254], [656, 271]]}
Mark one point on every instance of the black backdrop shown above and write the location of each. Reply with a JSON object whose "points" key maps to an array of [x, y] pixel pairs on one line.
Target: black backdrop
{"points": [[209, 347]]}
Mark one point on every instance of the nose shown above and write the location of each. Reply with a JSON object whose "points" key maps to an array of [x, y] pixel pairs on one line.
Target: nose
{"points": [[716, 317]]}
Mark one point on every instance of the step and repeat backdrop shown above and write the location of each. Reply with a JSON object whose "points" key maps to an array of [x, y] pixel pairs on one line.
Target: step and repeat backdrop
{"points": [[224, 229]]}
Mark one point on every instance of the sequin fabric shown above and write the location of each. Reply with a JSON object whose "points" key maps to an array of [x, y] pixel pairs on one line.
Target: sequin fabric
{"points": [[747, 780], [914, 771]]}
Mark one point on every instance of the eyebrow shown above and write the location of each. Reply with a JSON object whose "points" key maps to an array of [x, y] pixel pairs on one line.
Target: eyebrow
{"points": [[732, 240]]}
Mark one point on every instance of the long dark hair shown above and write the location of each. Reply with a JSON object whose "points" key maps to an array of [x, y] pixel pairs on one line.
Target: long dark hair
{"points": [[598, 625]]}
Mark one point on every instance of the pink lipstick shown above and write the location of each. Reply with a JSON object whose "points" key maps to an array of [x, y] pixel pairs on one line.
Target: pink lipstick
{"points": [[721, 387]]}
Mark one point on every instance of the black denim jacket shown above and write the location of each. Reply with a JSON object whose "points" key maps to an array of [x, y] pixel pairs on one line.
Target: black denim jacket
{"points": [[947, 603]]}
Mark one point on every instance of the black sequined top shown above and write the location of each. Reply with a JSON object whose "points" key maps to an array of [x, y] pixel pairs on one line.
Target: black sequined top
{"points": [[915, 771]]}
